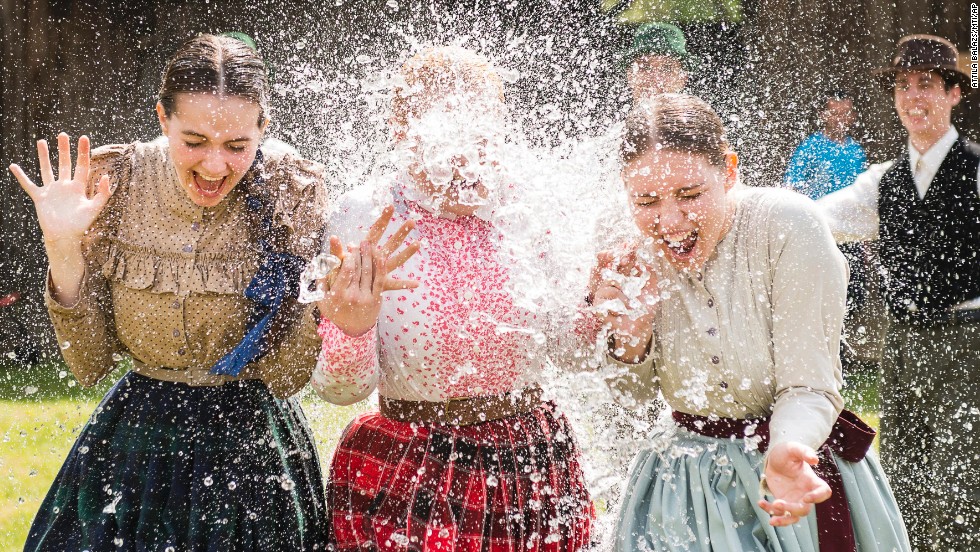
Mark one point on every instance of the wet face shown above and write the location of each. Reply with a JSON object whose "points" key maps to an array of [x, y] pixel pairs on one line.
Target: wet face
{"points": [[445, 167], [652, 74], [838, 117], [923, 104], [681, 201], [213, 140], [464, 194]]}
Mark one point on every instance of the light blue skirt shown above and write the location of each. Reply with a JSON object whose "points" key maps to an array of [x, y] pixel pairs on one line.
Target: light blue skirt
{"points": [[688, 492]]}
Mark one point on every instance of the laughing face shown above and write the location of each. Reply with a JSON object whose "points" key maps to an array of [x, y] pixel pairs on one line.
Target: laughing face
{"points": [[213, 140], [681, 201], [924, 105]]}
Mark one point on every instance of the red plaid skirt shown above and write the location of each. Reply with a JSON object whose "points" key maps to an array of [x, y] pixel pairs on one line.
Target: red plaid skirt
{"points": [[513, 484]]}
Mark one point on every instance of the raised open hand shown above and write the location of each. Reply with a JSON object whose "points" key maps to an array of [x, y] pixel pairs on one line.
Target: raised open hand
{"points": [[624, 292], [793, 484], [65, 207], [353, 297]]}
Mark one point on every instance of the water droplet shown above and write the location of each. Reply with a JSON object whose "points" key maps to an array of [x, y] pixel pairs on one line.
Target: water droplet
{"points": [[288, 484], [116, 357], [393, 4], [62, 374], [960, 519], [30, 390], [232, 485], [111, 507], [491, 481]]}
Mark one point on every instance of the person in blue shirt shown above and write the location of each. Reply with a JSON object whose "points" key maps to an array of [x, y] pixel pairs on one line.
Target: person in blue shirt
{"points": [[829, 159], [825, 162]]}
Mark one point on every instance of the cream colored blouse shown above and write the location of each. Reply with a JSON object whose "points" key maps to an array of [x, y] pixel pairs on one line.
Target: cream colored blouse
{"points": [[165, 278], [757, 331]]}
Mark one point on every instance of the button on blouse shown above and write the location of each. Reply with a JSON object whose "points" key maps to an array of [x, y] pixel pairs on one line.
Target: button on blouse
{"points": [[165, 278], [772, 300]]}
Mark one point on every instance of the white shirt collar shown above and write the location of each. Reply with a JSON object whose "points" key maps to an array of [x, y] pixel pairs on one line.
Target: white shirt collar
{"points": [[930, 161]]}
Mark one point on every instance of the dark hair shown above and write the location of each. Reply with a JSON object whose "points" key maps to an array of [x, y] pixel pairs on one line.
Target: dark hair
{"points": [[219, 65], [676, 122], [835, 95]]}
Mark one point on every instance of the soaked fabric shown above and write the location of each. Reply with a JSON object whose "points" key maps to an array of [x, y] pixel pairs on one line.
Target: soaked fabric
{"points": [[930, 419], [158, 467], [459, 334], [165, 277], [756, 332], [689, 492], [508, 485]]}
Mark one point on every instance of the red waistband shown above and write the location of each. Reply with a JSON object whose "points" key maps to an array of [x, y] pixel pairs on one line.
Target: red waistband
{"points": [[850, 439]]}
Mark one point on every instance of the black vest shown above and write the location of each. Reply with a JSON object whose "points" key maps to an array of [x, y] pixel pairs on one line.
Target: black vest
{"points": [[930, 247]]}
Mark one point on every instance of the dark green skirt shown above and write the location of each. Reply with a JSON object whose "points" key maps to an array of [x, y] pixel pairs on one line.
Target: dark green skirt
{"points": [[165, 466]]}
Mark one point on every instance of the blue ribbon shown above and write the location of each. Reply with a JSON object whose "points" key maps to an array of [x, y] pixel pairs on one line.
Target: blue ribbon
{"points": [[276, 279]]}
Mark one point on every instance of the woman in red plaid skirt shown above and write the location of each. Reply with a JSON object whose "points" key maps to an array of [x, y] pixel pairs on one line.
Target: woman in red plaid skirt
{"points": [[463, 454]]}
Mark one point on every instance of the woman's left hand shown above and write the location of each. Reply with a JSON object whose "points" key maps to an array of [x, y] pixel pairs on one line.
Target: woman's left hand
{"points": [[793, 483]]}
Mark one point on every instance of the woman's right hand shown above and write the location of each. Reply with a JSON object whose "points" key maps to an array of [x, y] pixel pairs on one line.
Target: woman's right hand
{"points": [[353, 297], [65, 207], [629, 318]]}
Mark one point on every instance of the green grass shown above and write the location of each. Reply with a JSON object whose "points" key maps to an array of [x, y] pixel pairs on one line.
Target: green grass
{"points": [[42, 411], [40, 417], [861, 396]]}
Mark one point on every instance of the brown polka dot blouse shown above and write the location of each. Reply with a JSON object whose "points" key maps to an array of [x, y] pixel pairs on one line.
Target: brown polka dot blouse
{"points": [[165, 278]]}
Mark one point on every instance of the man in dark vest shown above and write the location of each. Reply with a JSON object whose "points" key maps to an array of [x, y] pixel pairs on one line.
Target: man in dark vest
{"points": [[924, 208]]}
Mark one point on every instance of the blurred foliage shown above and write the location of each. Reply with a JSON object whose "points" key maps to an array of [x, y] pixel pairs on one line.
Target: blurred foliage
{"points": [[677, 11]]}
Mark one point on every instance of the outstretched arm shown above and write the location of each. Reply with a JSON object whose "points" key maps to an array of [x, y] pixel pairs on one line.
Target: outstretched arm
{"points": [[348, 366], [76, 293]]}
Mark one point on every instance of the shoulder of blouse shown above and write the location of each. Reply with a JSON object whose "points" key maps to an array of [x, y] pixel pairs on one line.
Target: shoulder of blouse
{"points": [[785, 221], [778, 209], [298, 192], [353, 212], [115, 161]]}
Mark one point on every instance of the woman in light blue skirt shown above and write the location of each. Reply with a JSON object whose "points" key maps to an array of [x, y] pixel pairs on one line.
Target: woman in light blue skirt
{"points": [[738, 323]]}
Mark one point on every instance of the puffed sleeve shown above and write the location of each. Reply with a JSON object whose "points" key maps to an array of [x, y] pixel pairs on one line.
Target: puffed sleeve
{"points": [[86, 331], [299, 195], [809, 286]]}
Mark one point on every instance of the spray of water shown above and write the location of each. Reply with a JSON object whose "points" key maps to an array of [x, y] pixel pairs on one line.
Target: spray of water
{"points": [[556, 200]]}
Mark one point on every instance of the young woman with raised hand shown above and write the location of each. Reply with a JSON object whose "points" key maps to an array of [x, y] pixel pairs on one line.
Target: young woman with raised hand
{"points": [[739, 326], [185, 253], [463, 453]]}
